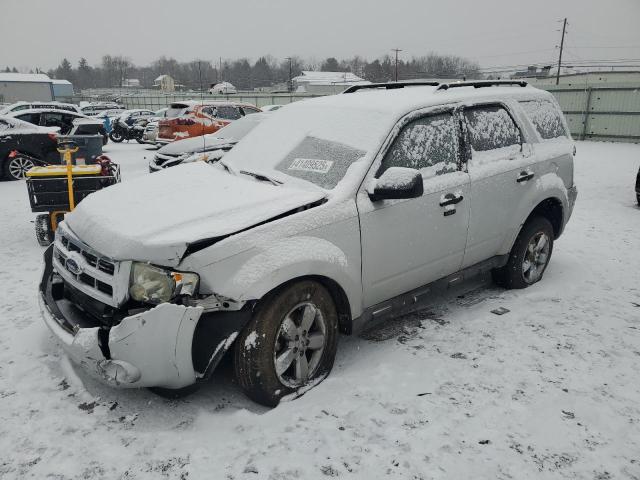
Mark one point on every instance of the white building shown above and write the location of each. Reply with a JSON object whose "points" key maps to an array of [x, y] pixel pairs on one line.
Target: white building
{"points": [[27, 87], [324, 83], [62, 89], [165, 83]]}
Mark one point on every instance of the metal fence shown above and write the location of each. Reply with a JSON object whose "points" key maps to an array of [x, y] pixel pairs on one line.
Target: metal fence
{"points": [[156, 100], [603, 112], [608, 113]]}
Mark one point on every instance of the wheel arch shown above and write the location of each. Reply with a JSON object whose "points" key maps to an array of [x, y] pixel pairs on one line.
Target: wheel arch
{"points": [[552, 209]]}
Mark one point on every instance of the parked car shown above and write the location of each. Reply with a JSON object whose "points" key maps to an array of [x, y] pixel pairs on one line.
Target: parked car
{"points": [[18, 106], [222, 88], [192, 119], [336, 213], [270, 108], [150, 133], [64, 120], [23, 146], [638, 187], [97, 107], [211, 147]]}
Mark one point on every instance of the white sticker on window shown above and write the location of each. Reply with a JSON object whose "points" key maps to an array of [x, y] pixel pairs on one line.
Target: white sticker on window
{"points": [[311, 165]]}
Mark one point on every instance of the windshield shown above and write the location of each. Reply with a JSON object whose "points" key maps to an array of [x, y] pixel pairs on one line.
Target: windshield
{"points": [[238, 129], [316, 143]]}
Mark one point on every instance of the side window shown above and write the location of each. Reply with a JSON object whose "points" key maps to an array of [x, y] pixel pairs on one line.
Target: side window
{"points": [[52, 120], [209, 111], [30, 117], [429, 144], [546, 117], [249, 110], [491, 127]]}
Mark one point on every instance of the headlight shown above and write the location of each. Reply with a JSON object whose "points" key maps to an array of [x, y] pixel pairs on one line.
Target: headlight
{"points": [[156, 285]]}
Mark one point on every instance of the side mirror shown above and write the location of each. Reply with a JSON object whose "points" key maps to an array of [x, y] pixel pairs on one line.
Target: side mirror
{"points": [[396, 183]]}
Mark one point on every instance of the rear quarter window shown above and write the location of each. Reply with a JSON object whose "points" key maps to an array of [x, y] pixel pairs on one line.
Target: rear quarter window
{"points": [[546, 118]]}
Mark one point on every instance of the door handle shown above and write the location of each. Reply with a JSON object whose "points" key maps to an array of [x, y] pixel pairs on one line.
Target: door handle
{"points": [[525, 176], [450, 199]]}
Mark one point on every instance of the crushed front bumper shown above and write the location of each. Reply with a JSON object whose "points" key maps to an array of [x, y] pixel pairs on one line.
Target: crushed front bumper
{"points": [[147, 349]]}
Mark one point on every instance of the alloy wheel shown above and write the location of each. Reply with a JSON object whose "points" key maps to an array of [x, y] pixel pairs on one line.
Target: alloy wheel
{"points": [[300, 343], [535, 257], [19, 166]]}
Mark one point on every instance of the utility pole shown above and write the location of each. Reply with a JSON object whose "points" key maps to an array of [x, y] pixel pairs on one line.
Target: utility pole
{"points": [[290, 84], [396, 50], [564, 29]]}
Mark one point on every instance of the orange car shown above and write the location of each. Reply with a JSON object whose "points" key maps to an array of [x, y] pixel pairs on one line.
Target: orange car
{"points": [[192, 118]]}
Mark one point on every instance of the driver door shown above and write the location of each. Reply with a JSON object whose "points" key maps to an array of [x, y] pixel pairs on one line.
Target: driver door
{"points": [[410, 243]]}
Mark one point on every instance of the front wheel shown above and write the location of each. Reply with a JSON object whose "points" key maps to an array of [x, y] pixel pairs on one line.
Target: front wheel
{"points": [[116, 136], [289, 344], [16, 168], [529, 256]]}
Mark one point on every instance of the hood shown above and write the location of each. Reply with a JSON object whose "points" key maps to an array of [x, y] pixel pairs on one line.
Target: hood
{"points": [[193, 144], [154, 218]]}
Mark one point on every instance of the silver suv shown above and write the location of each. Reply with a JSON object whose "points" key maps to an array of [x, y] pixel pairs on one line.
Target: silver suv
{"points": [[334, 213]]}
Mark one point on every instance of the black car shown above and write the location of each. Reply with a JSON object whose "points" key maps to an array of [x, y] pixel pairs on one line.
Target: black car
{"points": [[64, 120], [638, 187], [23, 146]]}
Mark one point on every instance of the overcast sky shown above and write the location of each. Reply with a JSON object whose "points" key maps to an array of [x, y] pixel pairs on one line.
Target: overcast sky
{"points": [[492, 32]]}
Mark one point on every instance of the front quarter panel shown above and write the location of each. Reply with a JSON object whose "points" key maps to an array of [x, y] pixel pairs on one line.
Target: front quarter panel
{"points": [[321, 241]]}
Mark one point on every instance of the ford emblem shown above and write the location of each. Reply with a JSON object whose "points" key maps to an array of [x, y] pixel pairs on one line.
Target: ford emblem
{"points": [[73, 266]]}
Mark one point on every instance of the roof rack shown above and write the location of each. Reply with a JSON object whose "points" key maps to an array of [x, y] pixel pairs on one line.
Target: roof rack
{"points": [[390, 86], [481, 84]]}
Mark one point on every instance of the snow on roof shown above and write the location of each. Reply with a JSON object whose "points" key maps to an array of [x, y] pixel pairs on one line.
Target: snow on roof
{"points": [[327, 78], [55, 81], [403, 100], [25, 77], [161, 77]]}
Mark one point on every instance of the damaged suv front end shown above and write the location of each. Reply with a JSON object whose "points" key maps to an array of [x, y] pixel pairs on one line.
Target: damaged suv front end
{"points": [[132, 324]]}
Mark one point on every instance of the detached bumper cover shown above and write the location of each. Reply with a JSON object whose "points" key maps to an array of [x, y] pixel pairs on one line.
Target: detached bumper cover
{"points": [[148, 349]]}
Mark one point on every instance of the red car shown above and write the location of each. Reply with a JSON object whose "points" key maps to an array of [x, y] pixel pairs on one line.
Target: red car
{"points": [[192, 118]]}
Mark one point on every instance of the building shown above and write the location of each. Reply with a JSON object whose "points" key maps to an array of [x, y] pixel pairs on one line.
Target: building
{"points": [[164, 83], [592, 78], [533, 72], [28, 87], [62, 89], [131, 83], [325, 83]]}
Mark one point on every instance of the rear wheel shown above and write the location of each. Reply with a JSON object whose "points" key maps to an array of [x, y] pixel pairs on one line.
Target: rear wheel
{"points": [[44, 233], [529, 256], [16, 168], [289, 344]]}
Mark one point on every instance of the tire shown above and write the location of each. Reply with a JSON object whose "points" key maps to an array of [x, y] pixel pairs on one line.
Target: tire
{"points": [[116, 137], [16, 168], [277, 331], [529, 256], [105, 140], [139, 140], [44, 234]]}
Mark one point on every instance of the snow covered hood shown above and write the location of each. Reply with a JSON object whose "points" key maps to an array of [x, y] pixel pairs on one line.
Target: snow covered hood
{"points": [[194, 144], [156, 217]]}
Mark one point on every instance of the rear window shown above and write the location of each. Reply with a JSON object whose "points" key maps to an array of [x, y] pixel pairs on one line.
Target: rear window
{"points": [[546, 117], [177, 110]]}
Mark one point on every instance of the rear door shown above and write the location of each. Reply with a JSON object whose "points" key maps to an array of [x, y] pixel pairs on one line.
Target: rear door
{"points": [[409, 243], [500, 168]]}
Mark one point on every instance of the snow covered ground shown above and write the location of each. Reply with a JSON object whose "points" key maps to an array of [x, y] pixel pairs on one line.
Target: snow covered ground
{"points": [[549, 390]]}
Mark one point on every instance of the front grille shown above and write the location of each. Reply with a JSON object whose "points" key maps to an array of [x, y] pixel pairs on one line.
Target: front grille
{"points": [[92, 273]]}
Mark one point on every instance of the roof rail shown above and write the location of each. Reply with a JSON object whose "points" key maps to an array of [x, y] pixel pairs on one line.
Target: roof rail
{"points": [[390, 86], [481, 83]]}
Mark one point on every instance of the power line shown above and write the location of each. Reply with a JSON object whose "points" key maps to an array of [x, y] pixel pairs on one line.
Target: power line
{"points": [[396, 50]]}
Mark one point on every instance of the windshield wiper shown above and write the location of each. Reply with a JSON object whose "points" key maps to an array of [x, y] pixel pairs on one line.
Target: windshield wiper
{"points": [[262, 177], [227, 167]]}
